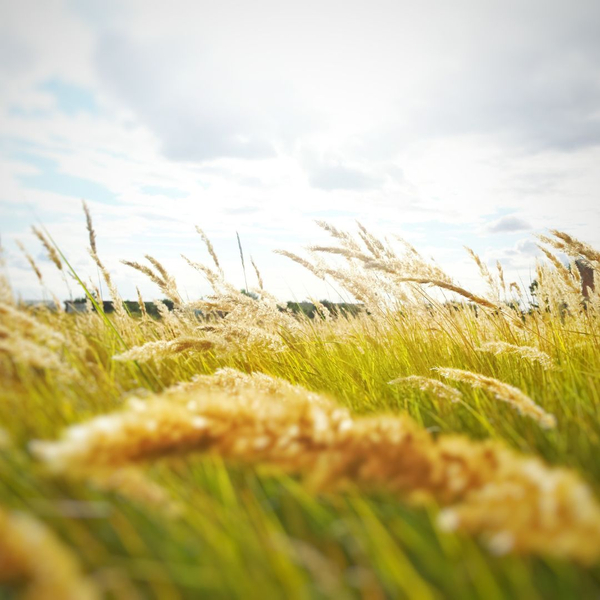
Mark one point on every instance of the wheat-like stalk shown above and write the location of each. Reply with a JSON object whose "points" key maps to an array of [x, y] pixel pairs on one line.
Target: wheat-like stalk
{"points": [[484, 272], [426, 384], [161, 278], [166, 349], [571, 246], [314, 269], [437, 283], [118, 304], [211, 249], [26, 324], [258, 275], [31, 261], [141, 304], [237, 383], [90, 227], [486, 488], [529, 353], [50, 249], [502, 391]]}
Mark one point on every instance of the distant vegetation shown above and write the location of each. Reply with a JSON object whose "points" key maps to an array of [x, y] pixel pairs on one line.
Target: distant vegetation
{"points": [[307, 308]]}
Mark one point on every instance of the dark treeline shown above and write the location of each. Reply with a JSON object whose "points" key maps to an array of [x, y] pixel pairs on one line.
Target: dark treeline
{"points": [[308, 308]]}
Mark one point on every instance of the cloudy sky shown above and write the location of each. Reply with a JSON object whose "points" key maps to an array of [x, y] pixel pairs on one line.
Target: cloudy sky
{"points": [[474, 122]]}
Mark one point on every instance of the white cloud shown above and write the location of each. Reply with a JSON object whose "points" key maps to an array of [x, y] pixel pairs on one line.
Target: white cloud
{"points": [[266, 115], [508, 224]]}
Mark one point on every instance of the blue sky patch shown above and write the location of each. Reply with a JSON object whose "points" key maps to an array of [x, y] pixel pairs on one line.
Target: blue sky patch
{"points": [[70, 99], [169, 192], [50, 179]]}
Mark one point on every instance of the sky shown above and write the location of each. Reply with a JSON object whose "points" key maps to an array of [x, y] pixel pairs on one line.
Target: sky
{"points": [[473, 122]]}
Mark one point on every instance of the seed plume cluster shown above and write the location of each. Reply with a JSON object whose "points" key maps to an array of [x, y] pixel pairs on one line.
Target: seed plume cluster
{"points": [[513, 502], [533, 355], [502, 391], [435, 386]]}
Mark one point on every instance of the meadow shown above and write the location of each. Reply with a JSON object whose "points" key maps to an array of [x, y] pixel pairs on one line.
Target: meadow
{"points": [[436, 444]]}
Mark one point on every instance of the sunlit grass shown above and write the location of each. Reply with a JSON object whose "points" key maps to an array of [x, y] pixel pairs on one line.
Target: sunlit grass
{"points": [[253, 531]]}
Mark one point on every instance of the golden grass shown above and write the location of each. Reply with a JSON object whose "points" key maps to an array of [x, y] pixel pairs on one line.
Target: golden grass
{"points": [[253, 385], [489, 489]]}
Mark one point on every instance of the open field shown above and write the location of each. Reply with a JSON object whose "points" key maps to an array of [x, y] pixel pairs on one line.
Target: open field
{"points": [[438, 444]]}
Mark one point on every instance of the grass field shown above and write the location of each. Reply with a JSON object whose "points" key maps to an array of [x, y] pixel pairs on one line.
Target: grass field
{"points": [[261, 454]]}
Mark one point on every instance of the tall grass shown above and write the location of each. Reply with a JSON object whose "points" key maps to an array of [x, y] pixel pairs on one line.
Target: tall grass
{"points": [[440, 444]]}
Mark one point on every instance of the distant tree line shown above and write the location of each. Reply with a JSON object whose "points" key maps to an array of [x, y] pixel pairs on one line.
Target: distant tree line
{"points": [[308, 308]]}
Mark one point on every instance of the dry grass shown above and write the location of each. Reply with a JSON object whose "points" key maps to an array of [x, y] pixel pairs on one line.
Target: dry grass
{"points": [[297, 409]]}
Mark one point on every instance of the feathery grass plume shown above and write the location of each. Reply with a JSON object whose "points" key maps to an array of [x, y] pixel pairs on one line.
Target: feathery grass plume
{"points": [[378, 282], [163, 311], [258, 276], [426, 384], [570, 276], [484, 271], [118, 304], [242, 259], [345, 238], [371, 289], [501, 276], [572, 246], [557, 291], [503, 392], [90, 227], [514, 287], [143, 269], [216, 280], [31, 262], [375, 246], [141, 303], [321, 310], [237, 383], [37, 562], [542, 509], [26, 324], [244, 319], [166, 349], [50, 249], [28, 352], [211, 250], [162, 279], [529, 353], [169, 285], [345, 252], [315, 270], [38, 274], [441, 284], [27, 341]]}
